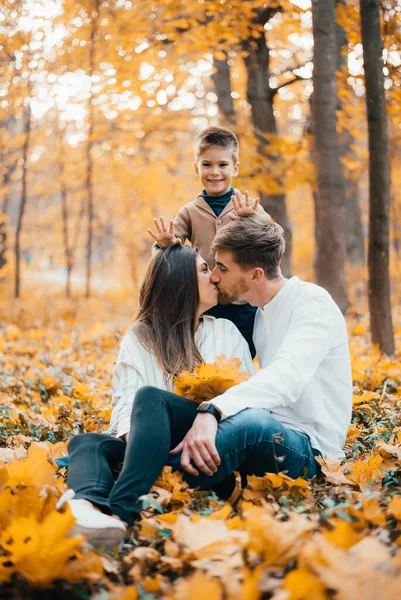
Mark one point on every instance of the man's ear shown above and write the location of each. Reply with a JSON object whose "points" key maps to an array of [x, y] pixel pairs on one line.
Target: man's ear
{"points": [[196, 169], [236, 169], [257, 275]]}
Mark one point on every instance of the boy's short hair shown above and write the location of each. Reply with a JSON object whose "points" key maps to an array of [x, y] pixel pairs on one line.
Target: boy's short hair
{"points": [[217, 136], [255, 241]]}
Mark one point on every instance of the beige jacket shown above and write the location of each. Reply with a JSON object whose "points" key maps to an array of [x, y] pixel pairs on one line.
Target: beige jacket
{"points": [[197, 222]]}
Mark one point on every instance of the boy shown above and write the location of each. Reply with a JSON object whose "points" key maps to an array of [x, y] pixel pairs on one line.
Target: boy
{"points": [[216, 164]]}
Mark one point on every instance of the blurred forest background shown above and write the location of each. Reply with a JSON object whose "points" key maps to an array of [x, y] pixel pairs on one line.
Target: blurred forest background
{"points": [[100, 102]]}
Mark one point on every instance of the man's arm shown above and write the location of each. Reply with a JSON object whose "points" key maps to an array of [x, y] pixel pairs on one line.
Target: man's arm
{"points": [[199, 445], [282, 382]]}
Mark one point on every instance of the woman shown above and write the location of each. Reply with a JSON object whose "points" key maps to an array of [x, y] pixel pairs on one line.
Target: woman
{"points": [[169, 335]]}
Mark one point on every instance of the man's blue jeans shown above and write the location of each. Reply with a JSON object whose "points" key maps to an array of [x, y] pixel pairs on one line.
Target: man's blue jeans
{"points": [[251, 442]]}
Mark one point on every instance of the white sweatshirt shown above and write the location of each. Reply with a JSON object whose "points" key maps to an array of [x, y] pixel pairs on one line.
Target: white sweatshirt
{"points": [[137, 367], [305, 378]]}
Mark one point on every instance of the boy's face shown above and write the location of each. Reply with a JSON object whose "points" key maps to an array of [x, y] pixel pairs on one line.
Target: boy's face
{"points": [[216, 169]]}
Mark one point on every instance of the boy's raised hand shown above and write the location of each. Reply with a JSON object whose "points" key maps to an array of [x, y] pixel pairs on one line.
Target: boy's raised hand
{"points": [[164, 237], [243, 205]]}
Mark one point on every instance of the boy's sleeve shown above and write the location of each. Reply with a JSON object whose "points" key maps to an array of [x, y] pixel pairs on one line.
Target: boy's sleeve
{"points": [[260, 210], [182, 225]]}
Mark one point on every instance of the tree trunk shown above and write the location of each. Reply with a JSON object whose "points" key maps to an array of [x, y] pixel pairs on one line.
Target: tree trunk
{"points": [[355, 238], [260, 97], [9, 167], [379, 179], [68, 252], [3, 235], [89, 169], [222, 86], [21, 211], [330, 205]]}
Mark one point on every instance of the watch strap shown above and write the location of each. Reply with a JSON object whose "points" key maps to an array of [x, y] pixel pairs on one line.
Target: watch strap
{"points": [[210, 408]]}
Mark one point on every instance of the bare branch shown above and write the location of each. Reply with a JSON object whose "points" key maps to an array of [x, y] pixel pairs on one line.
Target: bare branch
{"points": [[289, 82]]}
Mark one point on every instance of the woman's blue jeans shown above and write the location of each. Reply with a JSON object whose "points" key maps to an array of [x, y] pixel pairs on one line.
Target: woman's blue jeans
{"points": [[251, 442]]}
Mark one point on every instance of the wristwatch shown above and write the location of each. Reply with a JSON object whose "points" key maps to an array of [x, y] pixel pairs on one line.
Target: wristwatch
{"points": [[205, 407]]}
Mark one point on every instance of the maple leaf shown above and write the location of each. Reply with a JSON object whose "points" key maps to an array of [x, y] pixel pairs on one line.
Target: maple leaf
{"points": [[342, 534], [394, 507], [388, 449], [258, 487], [205, 537], [333, 469], [209, 380], [302, 585], [363, 571], [51, 384], [275, 541], [33, 470], [373, 512], [42, 552], [366, 471], [198, 587], [173, 482]]}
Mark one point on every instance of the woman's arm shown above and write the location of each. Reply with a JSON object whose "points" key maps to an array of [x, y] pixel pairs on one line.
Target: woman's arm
{"points": [[127, 380], [130, 374]]}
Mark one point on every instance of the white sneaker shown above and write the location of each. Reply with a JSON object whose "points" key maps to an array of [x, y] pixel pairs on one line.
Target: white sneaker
{"points": [[98, 528]]}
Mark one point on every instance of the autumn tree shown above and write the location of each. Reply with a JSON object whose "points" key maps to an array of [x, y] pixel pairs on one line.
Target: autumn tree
{"points": [[222, 84], [9, 162], [24, 196], [260, 96], [379, 178], [347, 141], [330, 211]]}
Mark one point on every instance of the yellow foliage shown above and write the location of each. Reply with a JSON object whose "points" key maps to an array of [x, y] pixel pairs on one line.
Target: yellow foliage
{"points": [[394, 507], [41, 551], [342, 534], [302, 585], [373, 512], [198, 587], [33, 470], [366, 471], [279, 536], [209, 380]]}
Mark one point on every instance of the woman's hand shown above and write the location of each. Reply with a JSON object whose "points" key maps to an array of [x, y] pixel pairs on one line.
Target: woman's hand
{"points": [[164, 237], [199, 445], [243, 205]]}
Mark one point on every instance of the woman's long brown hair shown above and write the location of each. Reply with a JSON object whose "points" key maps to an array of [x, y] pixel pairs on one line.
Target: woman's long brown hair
{"points": [[168, 302]]}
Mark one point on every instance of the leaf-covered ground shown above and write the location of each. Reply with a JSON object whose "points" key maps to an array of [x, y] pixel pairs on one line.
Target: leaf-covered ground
{"points": [[279, 538]]}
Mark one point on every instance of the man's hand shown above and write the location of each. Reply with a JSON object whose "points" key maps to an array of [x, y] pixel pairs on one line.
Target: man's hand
{"points": [[199, 445], [243, 205], [164, 237]]}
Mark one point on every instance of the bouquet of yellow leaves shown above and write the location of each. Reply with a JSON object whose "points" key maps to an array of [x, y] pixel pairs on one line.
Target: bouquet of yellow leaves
{"points": [[209, 380]]}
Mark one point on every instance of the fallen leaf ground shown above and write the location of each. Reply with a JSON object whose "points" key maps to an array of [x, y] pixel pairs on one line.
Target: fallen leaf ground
{"points": [[284, 539]]}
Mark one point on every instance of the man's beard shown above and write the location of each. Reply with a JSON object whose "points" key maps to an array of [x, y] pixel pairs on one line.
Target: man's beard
{"points": [[238, 290]]}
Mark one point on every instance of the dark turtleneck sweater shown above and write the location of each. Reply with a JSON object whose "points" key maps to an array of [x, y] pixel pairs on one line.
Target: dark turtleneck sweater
{"points": [[218, 203]]}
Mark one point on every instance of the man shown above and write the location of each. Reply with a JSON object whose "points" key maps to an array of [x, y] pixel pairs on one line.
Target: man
{"points": [[296, 407], [299, 404]]}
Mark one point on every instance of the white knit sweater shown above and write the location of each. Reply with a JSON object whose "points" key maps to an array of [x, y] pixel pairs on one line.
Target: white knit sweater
{"points": [[305, 378], [136, 367]]}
